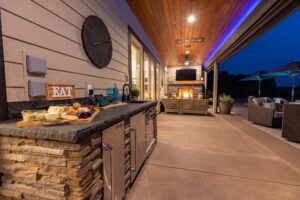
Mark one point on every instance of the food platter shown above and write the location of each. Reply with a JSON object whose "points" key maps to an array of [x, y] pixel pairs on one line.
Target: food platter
{"points": [[59, 115], [87, 120]]}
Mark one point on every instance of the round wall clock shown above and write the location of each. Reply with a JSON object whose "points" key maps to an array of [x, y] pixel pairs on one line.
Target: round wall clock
{"points": [[96, 41]]}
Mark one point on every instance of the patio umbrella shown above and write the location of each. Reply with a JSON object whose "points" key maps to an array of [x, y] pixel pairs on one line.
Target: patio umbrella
{"points": [[292, 70], [257, 76]]}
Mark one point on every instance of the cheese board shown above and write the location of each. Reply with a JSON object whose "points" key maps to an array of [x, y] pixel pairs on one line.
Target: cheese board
{"points": [[59, 115]]}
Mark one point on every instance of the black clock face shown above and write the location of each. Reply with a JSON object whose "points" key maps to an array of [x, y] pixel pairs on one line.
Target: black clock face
{"points": [[96, 41]]}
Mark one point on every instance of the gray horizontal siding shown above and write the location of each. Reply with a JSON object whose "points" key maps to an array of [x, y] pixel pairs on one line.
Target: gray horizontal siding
{"points": [[52, 30]]}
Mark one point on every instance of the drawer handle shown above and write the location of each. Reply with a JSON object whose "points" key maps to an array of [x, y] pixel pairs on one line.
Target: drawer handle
{"points": [[133, 169], [134, 131], [109, 148]]}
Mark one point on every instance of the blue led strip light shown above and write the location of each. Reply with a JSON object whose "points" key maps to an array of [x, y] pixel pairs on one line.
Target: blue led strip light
{"points": [[232, 30]]}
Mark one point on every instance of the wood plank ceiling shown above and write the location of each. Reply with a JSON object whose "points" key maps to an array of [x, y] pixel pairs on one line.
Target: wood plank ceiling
{"points": [[165, 21]]}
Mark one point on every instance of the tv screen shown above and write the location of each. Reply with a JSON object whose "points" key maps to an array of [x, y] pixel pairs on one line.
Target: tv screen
{"points": [[186, 75]]}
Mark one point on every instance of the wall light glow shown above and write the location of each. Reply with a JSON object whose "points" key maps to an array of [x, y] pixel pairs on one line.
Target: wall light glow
{"points": [[235, 26]]}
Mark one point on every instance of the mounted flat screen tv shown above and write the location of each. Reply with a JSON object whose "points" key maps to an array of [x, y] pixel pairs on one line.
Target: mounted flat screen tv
{"points": [[186, 75]]}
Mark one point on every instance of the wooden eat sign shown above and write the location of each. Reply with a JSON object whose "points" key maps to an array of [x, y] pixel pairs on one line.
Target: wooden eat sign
{"points": [[58, 92]]}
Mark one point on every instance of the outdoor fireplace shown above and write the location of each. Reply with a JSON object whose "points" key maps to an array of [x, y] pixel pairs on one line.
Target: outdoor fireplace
{"points": [[185, 93]]}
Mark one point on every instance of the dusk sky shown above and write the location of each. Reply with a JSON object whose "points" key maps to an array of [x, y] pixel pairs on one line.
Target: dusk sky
{"points": [[277, 47]]}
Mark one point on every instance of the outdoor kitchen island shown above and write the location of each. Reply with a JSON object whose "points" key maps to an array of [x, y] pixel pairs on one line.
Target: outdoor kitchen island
{"points": [[99, 160]]}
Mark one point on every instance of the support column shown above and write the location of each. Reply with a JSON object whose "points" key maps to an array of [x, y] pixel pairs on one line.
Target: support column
{"points": [[205, 83], [293, 86], [215, 88]]}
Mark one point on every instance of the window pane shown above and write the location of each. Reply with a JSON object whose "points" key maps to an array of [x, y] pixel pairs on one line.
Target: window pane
{"points": [[136, 66], [146, 77], [152, 80], [157, 81]]}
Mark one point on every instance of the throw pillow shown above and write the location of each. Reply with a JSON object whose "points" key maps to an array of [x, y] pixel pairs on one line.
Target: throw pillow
{"points": [[257, 101]]}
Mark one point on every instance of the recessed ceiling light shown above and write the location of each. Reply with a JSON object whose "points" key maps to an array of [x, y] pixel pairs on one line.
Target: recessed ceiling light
{"points": [[191, 19]]}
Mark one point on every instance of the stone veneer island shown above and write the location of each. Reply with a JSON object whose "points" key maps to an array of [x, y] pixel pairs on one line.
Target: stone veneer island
{"points": [[63, 162]]}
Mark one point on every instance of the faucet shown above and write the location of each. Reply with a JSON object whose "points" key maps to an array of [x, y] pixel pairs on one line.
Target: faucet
{"points": [[126, 97]]}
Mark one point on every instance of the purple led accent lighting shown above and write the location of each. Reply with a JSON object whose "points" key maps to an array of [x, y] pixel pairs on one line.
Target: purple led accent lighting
{"points": [[232, 30]]}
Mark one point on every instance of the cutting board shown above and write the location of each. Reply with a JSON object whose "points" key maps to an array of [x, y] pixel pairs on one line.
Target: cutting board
{"points": [[113, 105], [28, 124]]}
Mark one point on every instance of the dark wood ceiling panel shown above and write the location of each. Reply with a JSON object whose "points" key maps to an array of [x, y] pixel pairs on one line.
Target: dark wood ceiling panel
{"points": [[165, 21]]}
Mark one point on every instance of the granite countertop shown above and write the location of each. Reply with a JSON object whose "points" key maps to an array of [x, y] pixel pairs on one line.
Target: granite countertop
{"points": [[75, 133]]}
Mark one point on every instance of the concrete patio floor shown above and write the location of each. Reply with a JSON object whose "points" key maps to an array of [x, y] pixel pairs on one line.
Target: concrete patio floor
{"points": [[217, 157]]}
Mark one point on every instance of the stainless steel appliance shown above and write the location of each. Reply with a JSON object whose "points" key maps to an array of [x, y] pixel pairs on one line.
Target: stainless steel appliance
{"points": [[114, 162], [138, 143], [150, 131], [150, 138]]}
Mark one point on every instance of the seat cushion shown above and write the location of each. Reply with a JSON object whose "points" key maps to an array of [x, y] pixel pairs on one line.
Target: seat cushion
{"points": [[278, 114]]}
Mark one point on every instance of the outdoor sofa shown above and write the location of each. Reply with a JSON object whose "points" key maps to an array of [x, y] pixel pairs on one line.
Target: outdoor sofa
{"points": [[264, 111], [188, 106]]}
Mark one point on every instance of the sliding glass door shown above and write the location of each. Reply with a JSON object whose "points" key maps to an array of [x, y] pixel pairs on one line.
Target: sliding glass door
{"points": [[146, 77]]}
